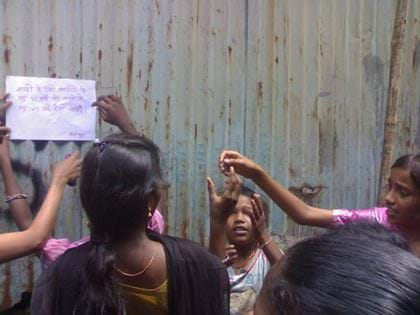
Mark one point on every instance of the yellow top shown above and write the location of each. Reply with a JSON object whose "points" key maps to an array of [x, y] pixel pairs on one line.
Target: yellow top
{"points": [[146, 301]]}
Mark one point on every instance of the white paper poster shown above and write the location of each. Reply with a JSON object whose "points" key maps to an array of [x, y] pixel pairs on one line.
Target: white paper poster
{"points": [[51, 109]]}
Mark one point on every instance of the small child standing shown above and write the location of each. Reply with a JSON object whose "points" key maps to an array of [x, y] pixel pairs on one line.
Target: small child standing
{"points": [[240, 217]]}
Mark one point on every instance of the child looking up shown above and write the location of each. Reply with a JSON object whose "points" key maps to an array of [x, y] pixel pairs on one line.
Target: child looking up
{"points": [[402, 200], [240, 217]]}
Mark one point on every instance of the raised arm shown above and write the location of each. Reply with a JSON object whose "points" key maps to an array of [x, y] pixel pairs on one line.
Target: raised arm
{"points": [[18, 204], [18, 244], [295, 208], [220, 207], [112, 110], [17, 200], [265, 241]]}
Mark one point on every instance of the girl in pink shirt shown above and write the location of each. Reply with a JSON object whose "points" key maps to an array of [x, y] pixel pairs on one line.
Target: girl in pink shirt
{"points": [[402, 200]]}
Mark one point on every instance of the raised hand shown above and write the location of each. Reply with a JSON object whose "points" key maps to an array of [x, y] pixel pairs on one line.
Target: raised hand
{"points": [[258, 218], [4, 131], [4, 144], [259, 223], [67, 170], [231, 255], [240, 163], [4, 102], [112, 110], [220, 206]]}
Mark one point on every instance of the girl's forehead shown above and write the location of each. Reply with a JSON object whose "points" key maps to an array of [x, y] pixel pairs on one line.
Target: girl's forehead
{"points": [[244, 201], [402, 176]]}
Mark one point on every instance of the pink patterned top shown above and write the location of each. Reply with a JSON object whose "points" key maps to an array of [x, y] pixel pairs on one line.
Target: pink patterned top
{"points": [[55, 247], [343, 216]]}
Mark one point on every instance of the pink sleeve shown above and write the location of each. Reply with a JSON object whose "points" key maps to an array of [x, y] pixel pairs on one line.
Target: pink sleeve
{"points": [[55, 247], [156, 222], [343, 216]]}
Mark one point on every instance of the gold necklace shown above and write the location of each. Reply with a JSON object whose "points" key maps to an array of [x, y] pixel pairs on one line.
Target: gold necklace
{"points": [[246, 261], [141, 271]]}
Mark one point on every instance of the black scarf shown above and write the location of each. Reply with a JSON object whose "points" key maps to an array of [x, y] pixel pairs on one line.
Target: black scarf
{"points": [[198, 283]]}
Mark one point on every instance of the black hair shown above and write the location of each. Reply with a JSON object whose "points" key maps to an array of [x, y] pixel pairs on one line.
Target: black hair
{"points": [[359, 268], [118, 176], [410, 162], [246, 191]]}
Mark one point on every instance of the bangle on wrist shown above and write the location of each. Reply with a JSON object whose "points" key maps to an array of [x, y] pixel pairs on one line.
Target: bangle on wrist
{"points": [[266, 243], [10, 198]]}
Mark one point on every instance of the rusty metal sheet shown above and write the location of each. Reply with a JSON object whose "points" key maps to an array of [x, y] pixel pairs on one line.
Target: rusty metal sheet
{"points": [[300, 86]]}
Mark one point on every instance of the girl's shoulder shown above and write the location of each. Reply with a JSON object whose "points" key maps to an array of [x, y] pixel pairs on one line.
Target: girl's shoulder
{"points": [[73, 259], [55, 247], [186, 250]]}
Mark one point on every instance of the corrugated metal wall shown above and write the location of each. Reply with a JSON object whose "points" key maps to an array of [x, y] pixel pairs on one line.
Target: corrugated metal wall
{"points": [[299, 86]]}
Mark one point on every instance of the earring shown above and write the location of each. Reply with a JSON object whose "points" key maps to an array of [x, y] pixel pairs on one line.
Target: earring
{"points": [[150, 214]]}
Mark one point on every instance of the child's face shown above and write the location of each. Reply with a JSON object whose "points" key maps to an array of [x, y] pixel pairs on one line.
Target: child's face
{"points": [[402, 198], [239, 229]]}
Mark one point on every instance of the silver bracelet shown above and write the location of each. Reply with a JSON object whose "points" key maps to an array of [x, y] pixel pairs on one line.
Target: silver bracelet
{"points": [[10, 198]]}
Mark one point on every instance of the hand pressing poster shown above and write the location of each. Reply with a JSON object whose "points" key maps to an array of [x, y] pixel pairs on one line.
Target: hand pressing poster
{"points": [[51, 109]]}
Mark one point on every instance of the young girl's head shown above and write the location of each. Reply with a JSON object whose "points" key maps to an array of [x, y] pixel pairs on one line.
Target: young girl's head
{"points": [[120, 187], [239, 228], [403, 196]]}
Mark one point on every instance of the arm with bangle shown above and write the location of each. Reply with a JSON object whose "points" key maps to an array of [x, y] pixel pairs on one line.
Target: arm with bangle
{"points": [[17, 200], [18, 204], [18, 244], [270, 248], [265, 241]]}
